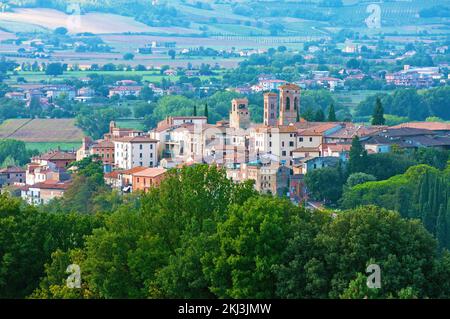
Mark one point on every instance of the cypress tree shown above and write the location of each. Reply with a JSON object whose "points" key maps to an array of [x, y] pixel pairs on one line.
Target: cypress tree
{"points": [[358, 157], [331, 114], [206, 113], [441, 227], [428, 219], [195, 110], [423, 194], [378, 114], [319, 116]]}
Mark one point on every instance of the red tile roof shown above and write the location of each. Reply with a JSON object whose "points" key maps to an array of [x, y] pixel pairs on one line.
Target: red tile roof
{"points": [[150, 172]]}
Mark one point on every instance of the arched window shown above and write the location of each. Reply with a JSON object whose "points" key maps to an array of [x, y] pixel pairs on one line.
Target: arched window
{"points": [[296, 103], [288, 104]]}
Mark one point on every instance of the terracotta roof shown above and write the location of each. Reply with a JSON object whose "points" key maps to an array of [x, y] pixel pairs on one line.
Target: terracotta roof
{"points": [[434, 126], [307, 149], [133, 170], [113, 174], [104, 143], [286, 129], [52, 185], [289, 87], [126, 88], [12, 169], [319, 129], [339, 147], [351, 130], [135, 139], [57, 155], [150, 172]]}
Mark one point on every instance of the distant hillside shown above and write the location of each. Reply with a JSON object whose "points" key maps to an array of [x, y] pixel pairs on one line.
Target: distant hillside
{"points": [[258, 17]]}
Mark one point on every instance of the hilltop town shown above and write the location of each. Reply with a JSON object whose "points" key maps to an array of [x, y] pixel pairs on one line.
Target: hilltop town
{"points": [[276, 154]]}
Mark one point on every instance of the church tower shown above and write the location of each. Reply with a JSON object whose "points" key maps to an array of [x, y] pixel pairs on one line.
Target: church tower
{"points": [[239, 115], [289, 103], [270, 109]]}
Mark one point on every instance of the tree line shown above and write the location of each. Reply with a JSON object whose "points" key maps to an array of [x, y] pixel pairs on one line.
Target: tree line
{"points": [[201, 236]]}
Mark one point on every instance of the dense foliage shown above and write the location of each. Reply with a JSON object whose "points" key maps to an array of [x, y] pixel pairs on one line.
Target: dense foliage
{"points": [[201, 236]]}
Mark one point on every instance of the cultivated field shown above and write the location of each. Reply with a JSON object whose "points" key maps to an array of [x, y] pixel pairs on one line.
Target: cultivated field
{"points": [[90, 22], [41, 130]]}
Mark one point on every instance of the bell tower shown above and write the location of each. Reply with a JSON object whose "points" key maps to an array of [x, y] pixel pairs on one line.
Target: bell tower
{"points": [[289, 104], [270, 109], [239, 115]]}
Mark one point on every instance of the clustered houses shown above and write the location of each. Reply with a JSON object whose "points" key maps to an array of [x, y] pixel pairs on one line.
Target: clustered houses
{"points": [[415, 77], [275, 154], [130, 158], [46, 177]]}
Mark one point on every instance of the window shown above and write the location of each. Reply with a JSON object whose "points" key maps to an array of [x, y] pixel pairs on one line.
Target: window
{"points": [[288, 104], [282, 144], [140, 155], [310, 139], [300, 139], [140, 146], [291, 144], [141, 164], [283, 153]]}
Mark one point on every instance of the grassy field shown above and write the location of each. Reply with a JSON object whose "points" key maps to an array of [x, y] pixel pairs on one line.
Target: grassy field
{"points": [[49, 19], [351, 99], [45, 147], [42, 130], [133, 124], [150, 76]]}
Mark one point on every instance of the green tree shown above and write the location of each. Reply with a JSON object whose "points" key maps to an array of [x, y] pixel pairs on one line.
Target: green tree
{"points": [[128, 56], [243, 265], [358, 157], [378, 114], [61, 31], [320, 116], [319, 187], [172, 53], [359, 178], [332, 114], [369, 235], [54, 69], [27, 239]]}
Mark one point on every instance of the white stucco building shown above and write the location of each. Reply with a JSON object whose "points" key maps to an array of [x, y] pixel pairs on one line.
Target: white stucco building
{"points": [[135, 151]]}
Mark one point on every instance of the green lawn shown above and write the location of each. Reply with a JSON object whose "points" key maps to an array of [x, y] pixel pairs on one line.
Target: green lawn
{"points": [[133, 124], [44, 147], [150, 76]]}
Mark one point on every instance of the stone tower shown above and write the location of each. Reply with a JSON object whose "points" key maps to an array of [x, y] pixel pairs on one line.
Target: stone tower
{"points": [[239, 115], [289, 103], [270, 109]]}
